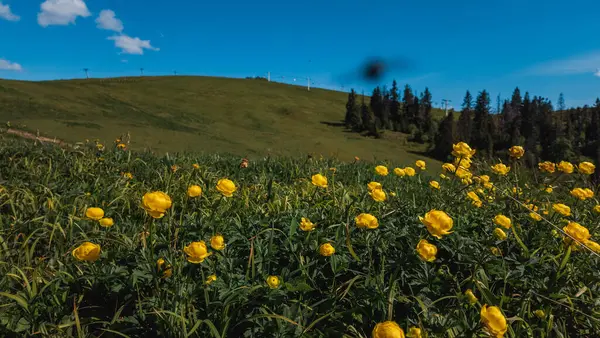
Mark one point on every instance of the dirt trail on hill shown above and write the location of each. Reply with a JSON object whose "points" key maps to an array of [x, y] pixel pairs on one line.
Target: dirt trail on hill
{"points": [[31, 136]]}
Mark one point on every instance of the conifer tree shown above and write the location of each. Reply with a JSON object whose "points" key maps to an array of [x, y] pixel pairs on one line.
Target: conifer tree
{"points": [[408, 100], [465, 121], [395, 113], [353, 119], [425, 120], [481, 133], [444, 138]]}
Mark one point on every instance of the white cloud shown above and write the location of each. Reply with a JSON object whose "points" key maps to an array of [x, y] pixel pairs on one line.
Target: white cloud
{"points": [[124, 61], [7, 65], [597, 73], [107, 20], [579, 64], [6, 14], [61, 12], [131, 45]]}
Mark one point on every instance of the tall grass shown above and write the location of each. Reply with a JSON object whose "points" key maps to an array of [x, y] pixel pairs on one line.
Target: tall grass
{"points": [[375, 275]]}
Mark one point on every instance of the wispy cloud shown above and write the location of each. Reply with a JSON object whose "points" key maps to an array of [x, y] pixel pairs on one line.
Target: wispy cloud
{"points": [[578, 64], [7, 65], [61, 12], [131, 45], [597, 73], [6, 14], [108, 20]]}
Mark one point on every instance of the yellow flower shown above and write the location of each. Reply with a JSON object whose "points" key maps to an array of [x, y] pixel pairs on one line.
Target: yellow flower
{"points": [[326, 250], [461, 149], [210, 279], [333, 170], [535, 216], [473, 196], [128, 175], [194, 191], [378, 195], [438, 223], [593, 245], [577, 231], [500, 234], [494, 320], [366, 221], [196, 252], [227, 187], [319, 180], [273, 282], [470, 296], [167, 270], [444, 177], [307, 225], [356, 158], [393, 194], [388, 329], [106, 222], [597, 208], [94, 213], [586, 168], [516, 152], [414, 332], [410, 171], [463, 173], [434, 184], [565, 167], [217, 242], [489, 186], [588, 192], [579, 193], [121, 146], [399, 172], [381, 170], [484, 178], [448, 167], [463, 162], [373, 186], [539, 313], [548, 190], [561, 209], [500, 169], [196, 166], [503, 221], [496, 251], [421, 164], [174, 167], [547, 166], [156, 203], [426, 250], [87, 251]]}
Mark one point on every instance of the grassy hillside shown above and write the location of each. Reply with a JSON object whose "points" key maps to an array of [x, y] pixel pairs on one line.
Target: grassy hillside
{"points": [[199, 114]]}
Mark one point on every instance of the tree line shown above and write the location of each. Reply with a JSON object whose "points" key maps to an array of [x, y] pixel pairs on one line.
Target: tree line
{"points": [[385, 111], [547, 134]]}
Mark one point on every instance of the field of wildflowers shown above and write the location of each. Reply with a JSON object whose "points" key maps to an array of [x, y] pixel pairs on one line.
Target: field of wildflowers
{"points": [[100, 241]]}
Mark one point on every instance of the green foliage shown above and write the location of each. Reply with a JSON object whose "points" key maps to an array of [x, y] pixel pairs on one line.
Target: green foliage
{"points": [[374, 275]]}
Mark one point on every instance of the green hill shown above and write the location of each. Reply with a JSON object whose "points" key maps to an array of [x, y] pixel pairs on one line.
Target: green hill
{"points": [[244, 117]]}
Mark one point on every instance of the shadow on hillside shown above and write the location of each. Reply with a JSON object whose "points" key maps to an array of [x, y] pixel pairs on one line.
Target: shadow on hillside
{"points": [[334, 124]]}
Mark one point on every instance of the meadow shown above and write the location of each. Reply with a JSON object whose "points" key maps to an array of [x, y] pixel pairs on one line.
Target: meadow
{"points": [[243, 117], [102, 241]]}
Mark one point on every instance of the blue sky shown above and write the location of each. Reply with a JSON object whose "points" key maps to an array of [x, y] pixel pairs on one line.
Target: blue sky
{"points": [[542, 46]]}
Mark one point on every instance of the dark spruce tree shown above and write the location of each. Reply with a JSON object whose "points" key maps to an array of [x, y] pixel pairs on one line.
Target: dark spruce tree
{"points": [[353, 119], [465, 121], [376, 105], [385, 113], [395, 113], [481, 135], [425, 119], [444, 138], [408, 100]]}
